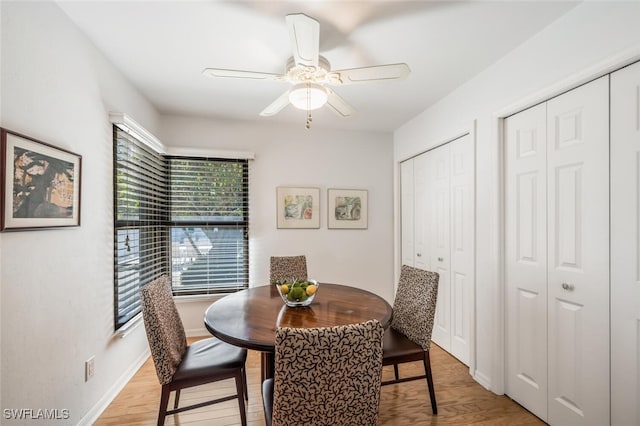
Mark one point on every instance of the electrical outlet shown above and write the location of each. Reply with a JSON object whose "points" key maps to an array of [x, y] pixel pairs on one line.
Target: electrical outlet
{"points": [[89, 368]]}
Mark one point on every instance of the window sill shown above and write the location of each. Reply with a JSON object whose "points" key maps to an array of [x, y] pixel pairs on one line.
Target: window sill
{"points": [[128, 328], [198, 298], [136, 321]]}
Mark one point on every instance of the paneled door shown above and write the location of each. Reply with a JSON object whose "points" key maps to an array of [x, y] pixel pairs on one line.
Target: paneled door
{"points": [[437, 212], [451, 196], [557, 243], [407, 199], [423, 211], [578, 255], [440, 242], [461, 245], [526, 258], [625, 246]]}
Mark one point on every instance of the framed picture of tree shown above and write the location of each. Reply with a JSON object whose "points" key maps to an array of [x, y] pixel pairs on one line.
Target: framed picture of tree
{"points": [[40, 184], [347, 208], [298, 207]]}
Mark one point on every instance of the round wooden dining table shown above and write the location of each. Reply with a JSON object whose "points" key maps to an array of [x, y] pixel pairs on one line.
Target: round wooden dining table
{"points": [[250, 318]]}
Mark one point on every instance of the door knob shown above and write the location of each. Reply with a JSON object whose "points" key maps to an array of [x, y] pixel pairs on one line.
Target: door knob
{"points": [[419, 255], [440, 259], [567, 286]]}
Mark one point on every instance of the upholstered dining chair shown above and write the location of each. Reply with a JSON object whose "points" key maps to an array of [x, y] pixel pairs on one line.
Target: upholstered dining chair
{"points": [[288, 267], [181, 366], [325, 376], [409, 337]]}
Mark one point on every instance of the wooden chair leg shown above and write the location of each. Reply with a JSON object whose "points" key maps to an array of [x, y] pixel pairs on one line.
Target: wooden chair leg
{"points": [[427, 370], [244, 380], [164, 401], [240, 389], [395, 370], [177, 399]]}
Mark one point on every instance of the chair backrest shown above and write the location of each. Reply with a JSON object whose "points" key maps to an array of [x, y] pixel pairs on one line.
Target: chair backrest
{"points": [[415, 304], [165, 331], [288, 267], [328, 375]]}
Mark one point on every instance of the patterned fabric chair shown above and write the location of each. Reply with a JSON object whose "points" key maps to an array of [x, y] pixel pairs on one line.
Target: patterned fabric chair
{"points": [[326, 376], [288, 267], [180, 366], [409, 336]]}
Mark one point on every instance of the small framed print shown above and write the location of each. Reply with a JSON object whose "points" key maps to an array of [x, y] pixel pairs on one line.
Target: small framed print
{"points": [[40, 184], [347, 208], [298, 208]]}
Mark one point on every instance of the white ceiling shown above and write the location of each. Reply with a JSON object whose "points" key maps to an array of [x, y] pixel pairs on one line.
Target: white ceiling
{"points": [[163, 46]]}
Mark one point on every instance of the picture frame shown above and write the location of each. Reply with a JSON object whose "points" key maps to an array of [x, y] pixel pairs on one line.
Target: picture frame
{"points": [[297, 208], [40, 184], [347, 208]]}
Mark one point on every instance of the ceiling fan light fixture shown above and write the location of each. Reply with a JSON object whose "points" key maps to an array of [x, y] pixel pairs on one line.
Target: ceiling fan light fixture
{"points": [[308, 96], [310, 73]]}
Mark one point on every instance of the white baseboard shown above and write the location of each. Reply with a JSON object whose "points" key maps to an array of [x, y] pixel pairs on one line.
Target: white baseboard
{"points": [[197, 332], [483, 379], [95, 412]]}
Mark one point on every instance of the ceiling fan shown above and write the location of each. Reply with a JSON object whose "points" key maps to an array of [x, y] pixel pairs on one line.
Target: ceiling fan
{"points": [[310, 73]]}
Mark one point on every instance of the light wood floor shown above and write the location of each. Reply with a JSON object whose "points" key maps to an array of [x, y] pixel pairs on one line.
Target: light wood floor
{"points": [[461, 401]]}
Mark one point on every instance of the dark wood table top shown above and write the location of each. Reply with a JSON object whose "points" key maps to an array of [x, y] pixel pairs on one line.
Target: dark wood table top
{"points": [[249, 318]]}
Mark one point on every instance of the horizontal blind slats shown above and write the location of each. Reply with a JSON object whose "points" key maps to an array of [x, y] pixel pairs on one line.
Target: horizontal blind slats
{"points": [[217, 260], [140, 210], [186, 216]]}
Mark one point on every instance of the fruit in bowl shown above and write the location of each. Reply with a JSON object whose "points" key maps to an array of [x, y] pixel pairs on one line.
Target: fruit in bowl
{"points": [[296, 292]]}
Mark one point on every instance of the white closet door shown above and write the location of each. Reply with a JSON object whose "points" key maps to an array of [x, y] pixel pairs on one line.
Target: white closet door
{"points": [[407, 211], [625, 246], [526, 258], [578, 255], [440, 243], [461, 245], [422, 210]]}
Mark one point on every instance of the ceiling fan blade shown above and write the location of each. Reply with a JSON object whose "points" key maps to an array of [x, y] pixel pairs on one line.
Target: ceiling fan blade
{"points": [[222, 73], [339, 105], [277, 105], [304, 32], [368, 74]]}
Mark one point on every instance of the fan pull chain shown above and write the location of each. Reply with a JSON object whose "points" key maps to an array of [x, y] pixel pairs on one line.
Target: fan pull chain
{"points": [[309, 118]]}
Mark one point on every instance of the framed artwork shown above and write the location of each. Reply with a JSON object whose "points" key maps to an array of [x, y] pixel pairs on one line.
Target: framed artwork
{"points": [[298, 207], [347, 208], [40, 184]]}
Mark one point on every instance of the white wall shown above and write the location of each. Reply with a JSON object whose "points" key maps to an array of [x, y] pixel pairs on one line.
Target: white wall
{"points": [[57, 285], [295, 156], [590, 40], [56, 297]]}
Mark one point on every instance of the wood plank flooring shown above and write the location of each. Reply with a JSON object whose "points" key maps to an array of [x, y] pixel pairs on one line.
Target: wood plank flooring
{"points": [[461, 401]]}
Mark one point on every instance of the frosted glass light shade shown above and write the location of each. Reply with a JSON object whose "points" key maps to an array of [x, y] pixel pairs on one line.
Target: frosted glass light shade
{"points": [[308, 96]]}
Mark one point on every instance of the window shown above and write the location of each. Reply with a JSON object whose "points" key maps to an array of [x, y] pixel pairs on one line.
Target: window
{"points": [[209, 220], [140, 231], [183, 216]]}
